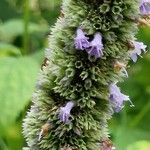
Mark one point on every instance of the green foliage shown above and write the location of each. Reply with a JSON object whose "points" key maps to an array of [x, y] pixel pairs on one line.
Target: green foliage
{"points": [[9, 50], [15, 27], [20, 75], [7, 12], [142, 145], [128, 136]]}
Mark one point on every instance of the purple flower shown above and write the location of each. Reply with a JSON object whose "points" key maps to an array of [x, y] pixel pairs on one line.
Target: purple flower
{"points": [[64, 113], [96, 46], [138, 47], [145, 7], [81, 41], [117, 98]]}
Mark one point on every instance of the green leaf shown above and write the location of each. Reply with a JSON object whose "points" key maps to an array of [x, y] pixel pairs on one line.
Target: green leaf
{"points": [[143, 35], [141, 145], [7, 12], [39, 56], [8, 50], [143, 73], [126, 136], [15, 27], [17, 81]]}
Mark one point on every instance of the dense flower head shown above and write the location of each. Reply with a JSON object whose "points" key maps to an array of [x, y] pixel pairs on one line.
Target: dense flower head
{"points": [[88, 48], [116, 97], [145, 7], [64, 113], [96, 46], [81, 41], [138, 48]]}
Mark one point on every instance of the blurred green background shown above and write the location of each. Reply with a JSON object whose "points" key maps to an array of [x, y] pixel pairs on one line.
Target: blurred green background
{"points": [[24, 29]]}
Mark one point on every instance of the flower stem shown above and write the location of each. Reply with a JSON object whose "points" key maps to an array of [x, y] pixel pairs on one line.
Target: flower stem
{"points": [[26, 27]]}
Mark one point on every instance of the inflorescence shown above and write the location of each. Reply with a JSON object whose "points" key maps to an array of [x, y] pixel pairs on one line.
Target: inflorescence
{"points": [[102, 48]]}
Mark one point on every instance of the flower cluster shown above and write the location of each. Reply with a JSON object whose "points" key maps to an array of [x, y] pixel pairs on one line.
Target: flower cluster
{"points": [[68, 80], [93, 48]]}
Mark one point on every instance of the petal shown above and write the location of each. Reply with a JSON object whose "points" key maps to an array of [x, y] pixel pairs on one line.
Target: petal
{"points": [[134, 57]]}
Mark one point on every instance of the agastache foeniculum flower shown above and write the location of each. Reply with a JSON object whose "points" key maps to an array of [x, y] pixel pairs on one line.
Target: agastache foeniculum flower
{"points": [[64, 113], [138, 48], [117, 98], [81, 41], [96, 46], [145, 7]]}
